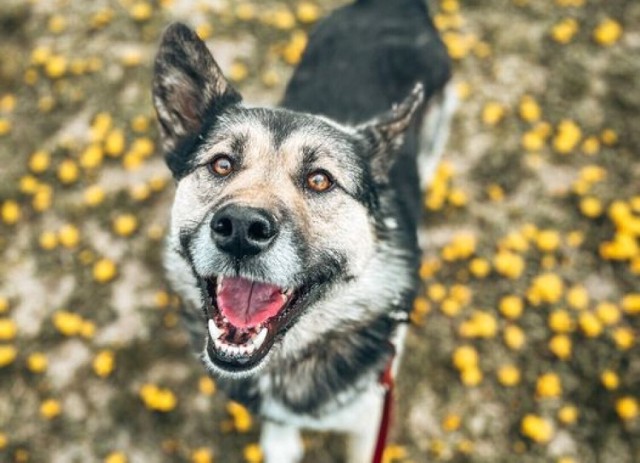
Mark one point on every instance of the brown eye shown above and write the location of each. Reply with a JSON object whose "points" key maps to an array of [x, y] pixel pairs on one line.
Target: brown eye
{"points": [[319, 181], [221, 166]]}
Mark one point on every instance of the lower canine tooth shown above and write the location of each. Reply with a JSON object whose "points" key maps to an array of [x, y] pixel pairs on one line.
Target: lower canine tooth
{"points": [[258, 340], [214, 331]]}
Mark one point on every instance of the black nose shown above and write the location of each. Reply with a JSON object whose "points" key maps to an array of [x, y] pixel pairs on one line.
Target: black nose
{"points": [[243, 231]]}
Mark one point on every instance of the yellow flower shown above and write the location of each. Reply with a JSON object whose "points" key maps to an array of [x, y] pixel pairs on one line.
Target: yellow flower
{"points": [[607, 32], [479, 267], [206, 385], [116, 457], [589, 324], [471, 376], [529, 109], [140, 124], [3, 441], [103, 363], [624, 338], [100, 126], [91, 157], [560, 345], [283, 19], [201, 455], [457, 198], [578, 297], [114, 143], [631, 303], [204, 31], [67, 323], [560, 321], [238, 71], [608, 313], [10, 212], [548, 386], [8, 329], [548, 240], [536, 428], [143, 146], [509, 375], [252, 453], [610, 379], [141, 11], [56, 66], [575, 238], [609, 137], [591, 207], [104, 270], [545, 288], [125, 224], [4, 304], [492, 113], [514, 337], [450, 307], [39, 161], [68, 171], [451, 422], [307, 12], [508, 264], [568, 414], [532, 141], [292, 53], [69, 236], [567, 137], [565, 30], [50, 408], [37, 362], [158, 399], [241, 417], [7, 355], [88, 329], [56, 24], [461, 246], [480, 325], [436, 292], [627, 408], [511, 307], [465, 357], [495, 192], [591, 146], [460, 293], [93, 196]]}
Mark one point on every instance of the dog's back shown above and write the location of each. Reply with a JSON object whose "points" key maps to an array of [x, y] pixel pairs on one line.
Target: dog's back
{"points": [[365, 57]]}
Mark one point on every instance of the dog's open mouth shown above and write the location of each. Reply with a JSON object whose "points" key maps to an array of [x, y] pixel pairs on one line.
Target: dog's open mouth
{"points": [[244, 318]]}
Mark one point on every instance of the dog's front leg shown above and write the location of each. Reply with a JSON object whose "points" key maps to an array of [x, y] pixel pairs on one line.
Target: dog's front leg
{"points": [[364, 430], [281, 443]]}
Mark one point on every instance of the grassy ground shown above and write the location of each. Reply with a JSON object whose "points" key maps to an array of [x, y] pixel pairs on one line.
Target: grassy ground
{"points": [[524, 345]]}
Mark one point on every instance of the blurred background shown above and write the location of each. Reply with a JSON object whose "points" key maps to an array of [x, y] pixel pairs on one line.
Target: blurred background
{"points": [[524, 345]]}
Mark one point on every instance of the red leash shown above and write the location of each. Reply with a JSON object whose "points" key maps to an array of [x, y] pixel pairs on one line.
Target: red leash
{"points": [[386, 380]]}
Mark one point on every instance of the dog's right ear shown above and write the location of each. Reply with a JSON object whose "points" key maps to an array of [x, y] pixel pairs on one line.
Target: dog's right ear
{"points": [[188, 86]]}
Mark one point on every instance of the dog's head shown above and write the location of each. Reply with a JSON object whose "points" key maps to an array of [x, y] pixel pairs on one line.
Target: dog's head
{"points": [[273, 208]]}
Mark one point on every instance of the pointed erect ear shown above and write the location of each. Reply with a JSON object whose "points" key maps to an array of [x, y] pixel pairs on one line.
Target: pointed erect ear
{"points": [[386, 133], [188, 86]]}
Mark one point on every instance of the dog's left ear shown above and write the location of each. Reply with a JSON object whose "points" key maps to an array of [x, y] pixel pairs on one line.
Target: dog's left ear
{"points": [[386, 133], [188, 86]]}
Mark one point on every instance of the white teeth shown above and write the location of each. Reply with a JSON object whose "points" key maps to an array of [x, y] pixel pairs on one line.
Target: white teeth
{"points": [[214, 331], [219, 285], [287, 292], [232, 350], [258, 340]]}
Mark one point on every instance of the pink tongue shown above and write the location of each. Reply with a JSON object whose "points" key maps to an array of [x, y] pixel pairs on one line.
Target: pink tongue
{"points": [[247, 303]]}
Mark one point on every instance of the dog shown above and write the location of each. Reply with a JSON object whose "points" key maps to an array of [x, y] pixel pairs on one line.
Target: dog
{"points": [[293, 236]]}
